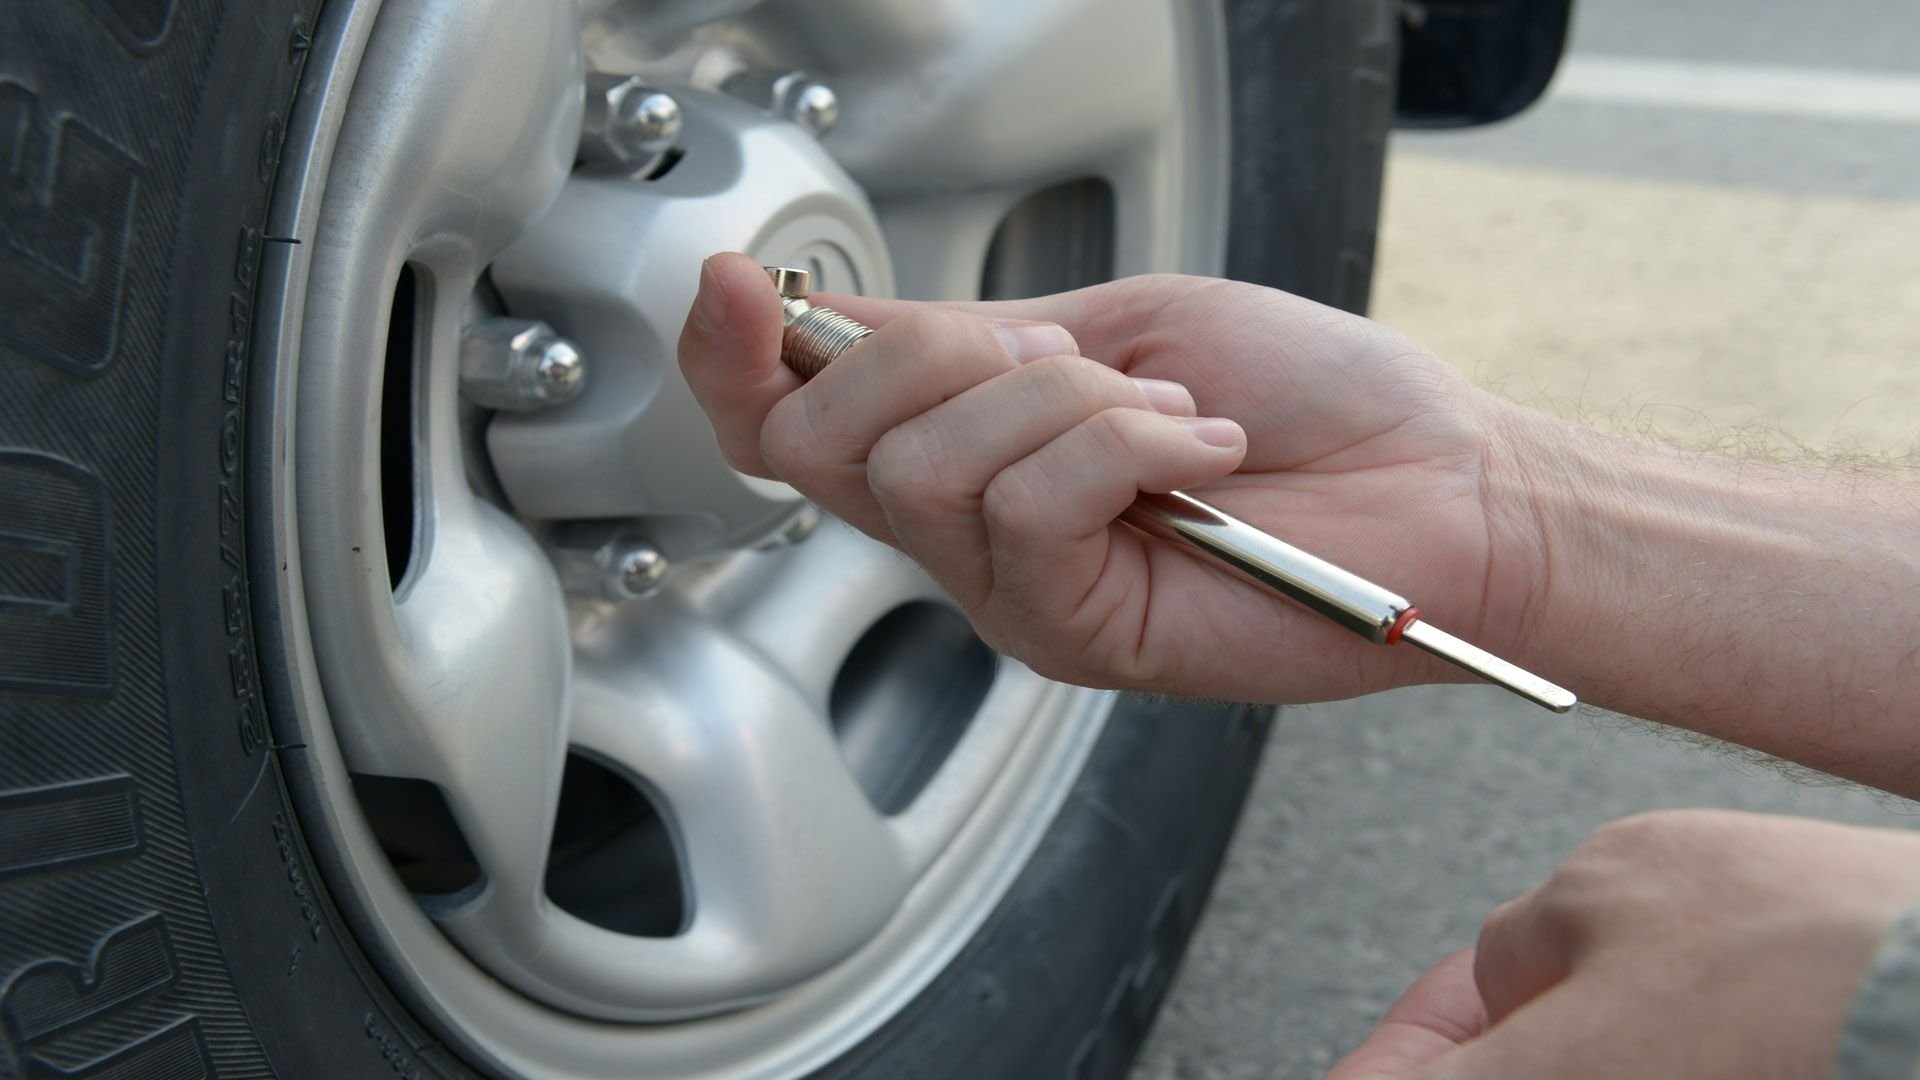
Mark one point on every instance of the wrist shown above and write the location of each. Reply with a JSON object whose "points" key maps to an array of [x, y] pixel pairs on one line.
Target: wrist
{"points": [[1522, 479], [1767, 604], [1617, 553]]}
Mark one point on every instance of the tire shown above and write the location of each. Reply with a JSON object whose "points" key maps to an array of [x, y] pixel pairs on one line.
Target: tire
{"points": [[161, 915], [161, 912], [1313, 94]]}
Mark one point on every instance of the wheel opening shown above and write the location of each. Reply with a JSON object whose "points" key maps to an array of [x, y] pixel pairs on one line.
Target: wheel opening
{"points": [[665, 165], [905, 695], [1056, 239], [397, 428], [417, 831], [613, 861]]}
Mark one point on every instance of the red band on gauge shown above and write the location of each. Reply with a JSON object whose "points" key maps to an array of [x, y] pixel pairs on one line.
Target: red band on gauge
{"points": [[1407, 618]]}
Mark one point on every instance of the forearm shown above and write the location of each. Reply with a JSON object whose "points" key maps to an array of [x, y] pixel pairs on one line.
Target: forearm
{"points": [[1770, 605]]}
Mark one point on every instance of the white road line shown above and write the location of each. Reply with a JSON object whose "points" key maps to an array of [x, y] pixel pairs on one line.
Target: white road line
{"points": [[1743, 88]]}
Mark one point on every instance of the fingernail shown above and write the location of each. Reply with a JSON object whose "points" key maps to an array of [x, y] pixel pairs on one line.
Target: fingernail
{"points": [[1166, 396], [1214, 430], [1027, 341], [710, 305]]}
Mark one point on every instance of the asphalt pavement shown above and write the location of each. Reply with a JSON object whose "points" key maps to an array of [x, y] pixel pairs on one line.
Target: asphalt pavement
{"points": [[1708, 230]]}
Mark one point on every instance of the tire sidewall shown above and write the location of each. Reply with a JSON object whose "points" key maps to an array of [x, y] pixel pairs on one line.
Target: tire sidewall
{"points": [[264, 969], [193, 936]]}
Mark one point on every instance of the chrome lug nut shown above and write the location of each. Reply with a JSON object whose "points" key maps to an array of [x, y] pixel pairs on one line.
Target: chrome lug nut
{"points": [[793, 95], [648, 120], [561, 372], [802, 526], [638, 571], [627, 124], [519, 365], [799, 527], [604, 560], [813, 105]]}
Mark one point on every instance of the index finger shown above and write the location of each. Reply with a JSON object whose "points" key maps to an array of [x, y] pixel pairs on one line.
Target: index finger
{"points": [[730, 355], [1104, 319], [1438, 1013]]}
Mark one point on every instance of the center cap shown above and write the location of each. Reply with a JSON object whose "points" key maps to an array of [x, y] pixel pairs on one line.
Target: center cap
{"points": [[614, 266]]}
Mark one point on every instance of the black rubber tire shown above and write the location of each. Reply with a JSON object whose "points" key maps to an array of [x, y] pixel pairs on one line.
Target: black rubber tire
{"points": [[1313, 94], [161, 914], [1066, 976]]}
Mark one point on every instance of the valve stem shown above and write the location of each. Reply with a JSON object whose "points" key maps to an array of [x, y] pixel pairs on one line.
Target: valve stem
{"points": [[815, 335]]}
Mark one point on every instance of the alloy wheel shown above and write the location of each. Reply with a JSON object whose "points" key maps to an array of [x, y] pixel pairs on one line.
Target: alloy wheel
{"points": [[727, 822]]}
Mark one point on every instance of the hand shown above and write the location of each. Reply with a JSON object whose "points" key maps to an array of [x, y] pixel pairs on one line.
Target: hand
{"points": [[1678, 944], [972, 438]]}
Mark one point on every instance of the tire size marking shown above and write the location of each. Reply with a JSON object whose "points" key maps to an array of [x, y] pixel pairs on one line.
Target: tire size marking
{"points": [[392, 1050], [235, 607], [283, 840]]}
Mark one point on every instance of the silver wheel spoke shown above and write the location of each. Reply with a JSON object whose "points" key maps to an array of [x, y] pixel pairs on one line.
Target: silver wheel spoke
{"points": [[778, 839], [971, 96], [461, 130], [471, 686], [487, 671], [787, 868], [837, 585], [804, 608], [939, 240], [952, 116]]}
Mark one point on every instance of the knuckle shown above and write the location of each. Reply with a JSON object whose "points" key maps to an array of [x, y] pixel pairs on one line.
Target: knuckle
{"points": [[786, 440], [1501, 921], [1622, 866], [994, 632], [904, 465], [963, 345], [1663, 853], [1120, 432], [921, 331], [1057, 667], [1639, 835], [1053, 376], [1038, 651], [1063, 370], [1498, 944], [744, 457], [1012, 506], [1086, 382], [1558, 907]]}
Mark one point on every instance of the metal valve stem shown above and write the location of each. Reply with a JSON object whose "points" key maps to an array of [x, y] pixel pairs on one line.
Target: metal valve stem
{"points": [[816, 335]]}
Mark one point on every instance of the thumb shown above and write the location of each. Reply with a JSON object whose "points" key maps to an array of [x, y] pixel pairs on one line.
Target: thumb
{"points": [[1438, 1013], [730, 355]]}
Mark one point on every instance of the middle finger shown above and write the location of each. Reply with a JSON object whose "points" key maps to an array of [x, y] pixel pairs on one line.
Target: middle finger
{"points": [[818, 437], [930, 473]]}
